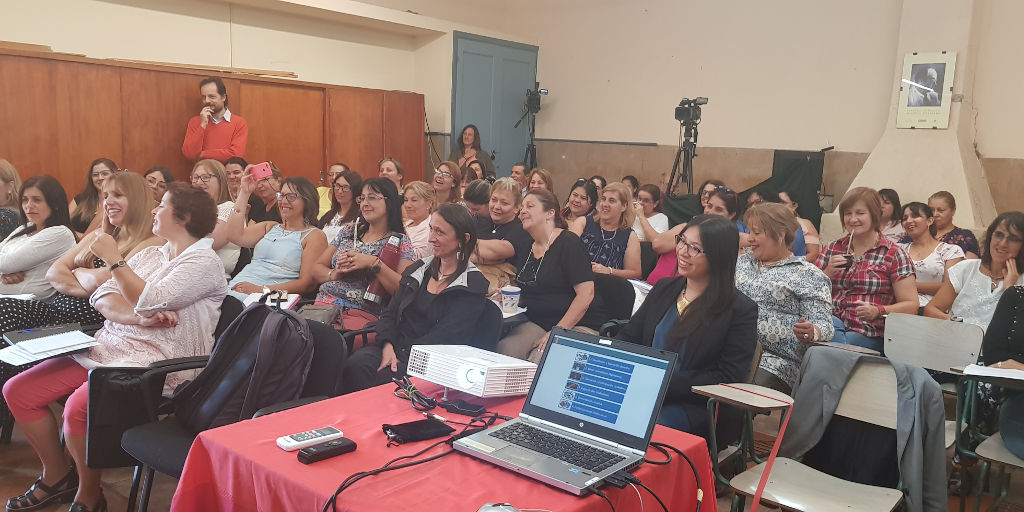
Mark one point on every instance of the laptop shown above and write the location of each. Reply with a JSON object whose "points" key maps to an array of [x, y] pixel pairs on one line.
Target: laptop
{"points": [[590, 412]]}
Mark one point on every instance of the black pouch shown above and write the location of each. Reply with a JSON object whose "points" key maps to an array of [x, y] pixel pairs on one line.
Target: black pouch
{"points": [[415, 431]]}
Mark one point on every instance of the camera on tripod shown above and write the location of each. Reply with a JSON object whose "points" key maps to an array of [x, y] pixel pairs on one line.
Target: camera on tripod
{"points": [[532, 104], [688, 111]]}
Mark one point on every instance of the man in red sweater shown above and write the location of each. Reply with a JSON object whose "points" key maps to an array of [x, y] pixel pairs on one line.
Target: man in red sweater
{"points": [[215, 133]]}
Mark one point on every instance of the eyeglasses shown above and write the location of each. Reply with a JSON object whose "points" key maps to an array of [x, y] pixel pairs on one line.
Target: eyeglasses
{"points": [[443, 174], [102, 174], [691, 249], [341, 188], [999, 236], [205, 178], [291, 197], [369, 197]]}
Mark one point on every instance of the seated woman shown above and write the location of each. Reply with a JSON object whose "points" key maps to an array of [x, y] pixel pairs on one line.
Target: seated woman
{"points": [[721, 201], [971, 288], [86, 207], [701, 315], [263, 199], [325, 189], [582, 201], [944, 205], [10, 184], [541, 179], [469, 175], [705, 191], [27, 254], [556, 281], [931, 257], [870, 275], [650, 222], [616, 254], [447, 183], [502, 243], [438, 301], [163, 303], [344, 209], [794, 297], [390, 168], [418, 203], [1002, 348], [477, 197], [768, 196], [811, 238], [77, 273], [283, 253], [892, 215], [352, 261], [158, 178], [209, 176]]}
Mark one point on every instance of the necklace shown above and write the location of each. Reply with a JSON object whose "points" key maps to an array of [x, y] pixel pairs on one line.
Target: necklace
{"points": [[614, 232]]}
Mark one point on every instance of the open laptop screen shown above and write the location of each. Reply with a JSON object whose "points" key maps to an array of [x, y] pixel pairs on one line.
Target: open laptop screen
{"points": [[610, 389]]}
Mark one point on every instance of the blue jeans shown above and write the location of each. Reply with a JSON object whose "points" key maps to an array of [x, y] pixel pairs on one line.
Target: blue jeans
{"points": [[849, 337]]}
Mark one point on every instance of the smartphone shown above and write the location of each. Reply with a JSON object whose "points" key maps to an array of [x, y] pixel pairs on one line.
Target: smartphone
{"points": [[261, 171]]}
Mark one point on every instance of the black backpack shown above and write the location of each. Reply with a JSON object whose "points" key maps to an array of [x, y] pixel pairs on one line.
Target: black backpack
{"points": [[261, 359]]}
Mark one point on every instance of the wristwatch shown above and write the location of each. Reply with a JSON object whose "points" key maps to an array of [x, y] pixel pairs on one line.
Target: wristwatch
{"points": [[118, 265]]}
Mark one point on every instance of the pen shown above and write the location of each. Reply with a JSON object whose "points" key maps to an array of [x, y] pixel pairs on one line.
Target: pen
{"points": [[434, 416]]}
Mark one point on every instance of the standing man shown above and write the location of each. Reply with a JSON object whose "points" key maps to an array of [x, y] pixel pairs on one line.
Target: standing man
{"points": [[214, 133]]}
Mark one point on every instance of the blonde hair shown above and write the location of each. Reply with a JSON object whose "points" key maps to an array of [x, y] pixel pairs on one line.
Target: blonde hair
{"points": [[9, 174], [511, 186], [775, 220], [138, 224], [871, 200], [218, 171], [421, 189], [626, 198], [453, 168]]}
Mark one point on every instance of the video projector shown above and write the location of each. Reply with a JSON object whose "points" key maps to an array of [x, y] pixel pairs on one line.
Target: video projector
{"points": [[471, 370]]}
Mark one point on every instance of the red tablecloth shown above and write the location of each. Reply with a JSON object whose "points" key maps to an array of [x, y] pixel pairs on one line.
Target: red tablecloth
{"points": [[240, 467]]}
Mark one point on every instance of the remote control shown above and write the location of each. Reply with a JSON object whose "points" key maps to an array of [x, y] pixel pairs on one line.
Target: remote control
{"points": [[308, 438], [326, 450]]}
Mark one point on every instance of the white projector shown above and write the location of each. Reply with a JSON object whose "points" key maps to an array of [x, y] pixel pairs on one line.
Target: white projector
{"points": [[471, 370]]}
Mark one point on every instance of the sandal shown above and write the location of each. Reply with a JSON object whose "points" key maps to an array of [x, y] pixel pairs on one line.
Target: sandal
{"points": [[61, 492], [101, 506]]}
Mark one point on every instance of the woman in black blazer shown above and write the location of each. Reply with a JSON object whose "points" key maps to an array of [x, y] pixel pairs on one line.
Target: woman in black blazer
{"points": [[702, 316]]}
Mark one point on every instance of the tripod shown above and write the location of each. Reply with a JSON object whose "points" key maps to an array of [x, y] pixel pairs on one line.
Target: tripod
{"points": [[530, 158], [687, 152]]}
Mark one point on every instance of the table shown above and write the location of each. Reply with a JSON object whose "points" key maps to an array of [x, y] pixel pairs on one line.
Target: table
{"points": [[240, 467]]}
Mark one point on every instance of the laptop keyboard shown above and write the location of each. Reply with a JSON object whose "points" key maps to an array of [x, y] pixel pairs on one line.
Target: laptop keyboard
{"points": [[561, 448]]}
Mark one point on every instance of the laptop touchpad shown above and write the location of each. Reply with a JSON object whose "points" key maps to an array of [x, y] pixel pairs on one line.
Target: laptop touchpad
{"points": [[519, 456]]}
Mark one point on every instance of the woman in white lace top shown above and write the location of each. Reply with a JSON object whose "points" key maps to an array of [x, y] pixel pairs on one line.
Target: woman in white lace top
{"points": [[931, 257]]}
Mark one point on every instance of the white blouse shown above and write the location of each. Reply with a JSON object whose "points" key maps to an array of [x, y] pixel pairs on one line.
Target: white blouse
{"points": [[658, 221], [33, 254], [975, 300], [933, 267], [419, 234], [229, 252]]}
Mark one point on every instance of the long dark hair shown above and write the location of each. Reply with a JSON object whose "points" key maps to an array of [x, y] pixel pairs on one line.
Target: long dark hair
{"points": [[1013, 220], [549, 203], [86, 209], [309, 195], [731, 200], [919, 209], [721, 241], [590, 189], [459, 218], [476, 138], [890, 195], [356, 182], [55, 197], [392, 201]]}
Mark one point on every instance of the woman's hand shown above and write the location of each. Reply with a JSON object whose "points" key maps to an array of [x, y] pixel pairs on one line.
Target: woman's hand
{"points": [[350, 261], [638, 208], [12, 278], [1009, 364], [161, 319], [388, 358], [538, 348], [804, 331], [1012, 273], [247, 185], [866, 312], [835, 265], [598, 268], [104, 247], [246, 287]]}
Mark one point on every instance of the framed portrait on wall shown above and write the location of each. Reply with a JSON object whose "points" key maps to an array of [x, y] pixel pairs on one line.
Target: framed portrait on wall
{"points": [[926, 90]]}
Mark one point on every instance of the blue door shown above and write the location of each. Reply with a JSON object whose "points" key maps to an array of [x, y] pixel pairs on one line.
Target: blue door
{"points": [[491, 77]]}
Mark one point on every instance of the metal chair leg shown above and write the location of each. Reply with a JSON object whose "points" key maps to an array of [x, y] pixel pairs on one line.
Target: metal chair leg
{"points": [[133, 494], [147, 485], [983, 475], [738, 502]]}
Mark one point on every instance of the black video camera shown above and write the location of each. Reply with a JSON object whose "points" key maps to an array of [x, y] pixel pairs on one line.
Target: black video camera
{"points": [[532, 104], [688, 110]]}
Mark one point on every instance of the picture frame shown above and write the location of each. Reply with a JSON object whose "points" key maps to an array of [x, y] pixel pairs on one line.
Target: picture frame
{"points": [[926, 90]]}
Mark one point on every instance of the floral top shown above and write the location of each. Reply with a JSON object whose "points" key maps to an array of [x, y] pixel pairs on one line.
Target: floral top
{"points": [[976, 299], [348, 290], [785, 292], [933, 267], [10, 219], [870, 279]]}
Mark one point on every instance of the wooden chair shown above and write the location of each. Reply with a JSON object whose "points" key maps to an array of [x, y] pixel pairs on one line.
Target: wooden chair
{"points": [[869, 396], [933, 344]]}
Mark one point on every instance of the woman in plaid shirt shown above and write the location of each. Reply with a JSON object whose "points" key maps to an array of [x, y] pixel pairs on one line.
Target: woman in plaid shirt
{"points": [[870, 275]]}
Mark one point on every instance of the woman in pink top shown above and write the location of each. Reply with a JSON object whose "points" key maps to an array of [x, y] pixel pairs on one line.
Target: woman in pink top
{"points": [[162, 303]]}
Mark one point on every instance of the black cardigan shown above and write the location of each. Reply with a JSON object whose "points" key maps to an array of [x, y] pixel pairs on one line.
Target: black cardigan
{"points": [[720, 351], [1004, 338]]}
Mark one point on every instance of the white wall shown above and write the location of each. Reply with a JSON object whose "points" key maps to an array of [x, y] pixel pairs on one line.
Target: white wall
{"points": [[998, 80]]}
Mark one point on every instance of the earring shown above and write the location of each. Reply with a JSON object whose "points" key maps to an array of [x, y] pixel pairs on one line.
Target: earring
{"points": [[458, 254]]}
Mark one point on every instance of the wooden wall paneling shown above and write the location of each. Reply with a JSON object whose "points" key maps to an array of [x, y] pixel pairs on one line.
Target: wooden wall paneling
{"points": [[27, 116], [403, 132], [285, 126], [355, 134], [88, 122], [157, 107]]}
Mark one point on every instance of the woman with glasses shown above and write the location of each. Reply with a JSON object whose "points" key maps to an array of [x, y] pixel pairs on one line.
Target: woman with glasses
{"points": [[158, 178], [390, 168], [931, 257], [283, 253], [447, 183], [10, 184], [870, 275], [650, 222], [209, 176], [794, 297], [347, 267], [343, 205], [416, 208], [608, 236], [85, 207], [582, 201], [971, 288], [556, 281], [701, 315]]}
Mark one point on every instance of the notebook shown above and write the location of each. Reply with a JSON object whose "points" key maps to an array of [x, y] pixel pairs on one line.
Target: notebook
{"points": [[589, 413], [35, 345]]}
